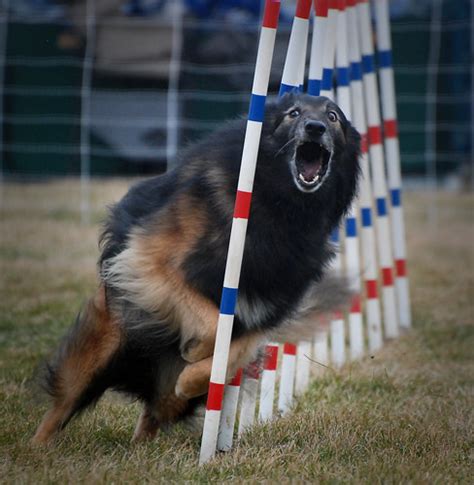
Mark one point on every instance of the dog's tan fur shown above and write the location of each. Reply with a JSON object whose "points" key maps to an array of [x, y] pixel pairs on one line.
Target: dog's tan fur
{"points": [[150, 270]]}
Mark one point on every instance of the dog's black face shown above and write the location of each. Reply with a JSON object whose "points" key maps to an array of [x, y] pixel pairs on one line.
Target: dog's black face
{"points": [[309, 135]]}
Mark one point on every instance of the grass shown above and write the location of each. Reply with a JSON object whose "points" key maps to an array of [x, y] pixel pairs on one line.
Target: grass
{"points": [[402, 415]]}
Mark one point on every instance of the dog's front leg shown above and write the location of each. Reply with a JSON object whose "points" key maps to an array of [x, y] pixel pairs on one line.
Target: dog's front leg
{"points": [[194, 379]]}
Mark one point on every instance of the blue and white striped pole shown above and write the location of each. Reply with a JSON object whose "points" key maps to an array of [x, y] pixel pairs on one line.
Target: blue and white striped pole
{"points": [[367, 233], [317, 47], [239, 230], [392, 152], [377, 162]]}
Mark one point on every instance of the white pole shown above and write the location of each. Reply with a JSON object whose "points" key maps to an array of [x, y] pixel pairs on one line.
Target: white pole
{"points": [[172, 101], [302, 367], [320, 352], [239, 229], [87, 69]]}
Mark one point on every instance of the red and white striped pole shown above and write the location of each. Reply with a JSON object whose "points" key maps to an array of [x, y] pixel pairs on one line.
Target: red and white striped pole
{"points": [[392, 152], [267, 382], [367, 234], [229, 412], [293, 71], [288, 363], [239, 230], [293, 80], [377, 162]]}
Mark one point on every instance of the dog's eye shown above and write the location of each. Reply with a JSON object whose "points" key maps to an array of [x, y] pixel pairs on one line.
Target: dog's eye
{"points": [[332, 115], [294, 113]]}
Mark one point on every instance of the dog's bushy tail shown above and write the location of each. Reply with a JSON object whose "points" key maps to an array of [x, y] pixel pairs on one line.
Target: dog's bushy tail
{"points": [[71, 374], [332, 294]]}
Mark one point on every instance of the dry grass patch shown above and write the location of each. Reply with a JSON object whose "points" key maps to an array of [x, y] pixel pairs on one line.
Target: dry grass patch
{"points": [[404, 415]]}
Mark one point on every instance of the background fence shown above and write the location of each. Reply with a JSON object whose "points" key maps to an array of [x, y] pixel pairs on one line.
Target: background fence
{"points": [[120, 84]]}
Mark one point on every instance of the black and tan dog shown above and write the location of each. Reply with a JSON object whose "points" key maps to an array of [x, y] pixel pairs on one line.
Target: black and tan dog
{"points": [[150, 328]]}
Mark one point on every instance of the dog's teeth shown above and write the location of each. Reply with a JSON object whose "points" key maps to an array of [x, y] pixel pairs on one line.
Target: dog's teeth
{"points": [[316, 178]]}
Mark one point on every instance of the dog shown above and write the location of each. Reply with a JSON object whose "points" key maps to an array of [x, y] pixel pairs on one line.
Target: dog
{"points": [[150, 328]]}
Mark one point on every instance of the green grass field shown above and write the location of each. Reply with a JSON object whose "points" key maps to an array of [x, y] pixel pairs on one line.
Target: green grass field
{"points": [[402, 415]]}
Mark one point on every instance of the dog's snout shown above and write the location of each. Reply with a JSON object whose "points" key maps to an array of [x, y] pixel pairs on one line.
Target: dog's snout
{"points": [[314, 128]]}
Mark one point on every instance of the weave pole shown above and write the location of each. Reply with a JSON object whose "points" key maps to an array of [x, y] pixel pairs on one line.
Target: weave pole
{"points": [[267, 382], [337, 330], [351, 246], [377, 162], [367, 233], [321, 350], [288, 364], [317, 46], [392, 152], [293, 69], [329, 50], [225, 436], [292, 80], [239, 229], [248, 403], [315, 76]]}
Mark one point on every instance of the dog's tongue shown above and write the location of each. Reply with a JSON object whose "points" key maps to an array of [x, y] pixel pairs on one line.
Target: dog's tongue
{"points": [[310, 169]]}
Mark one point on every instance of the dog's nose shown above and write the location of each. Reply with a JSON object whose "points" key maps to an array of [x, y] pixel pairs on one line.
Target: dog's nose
{"points": [[314, 128]]}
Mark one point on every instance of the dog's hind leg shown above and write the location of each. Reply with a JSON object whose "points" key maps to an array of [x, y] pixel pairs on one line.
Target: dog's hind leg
{"points": [[157, 415], [147, 425], [194, 379], [74, 377]]}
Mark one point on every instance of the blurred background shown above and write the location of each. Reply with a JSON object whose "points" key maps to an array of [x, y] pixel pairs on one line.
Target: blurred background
{"points": [[114, 87]]}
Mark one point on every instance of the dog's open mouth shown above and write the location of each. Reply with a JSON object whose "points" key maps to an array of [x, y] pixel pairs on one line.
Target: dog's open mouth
{"points": [[312, 162]]}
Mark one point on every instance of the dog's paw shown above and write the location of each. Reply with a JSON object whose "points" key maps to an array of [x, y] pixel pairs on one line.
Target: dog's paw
{"points": [[192, 382], [194, 350], [180, 391]]}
